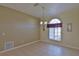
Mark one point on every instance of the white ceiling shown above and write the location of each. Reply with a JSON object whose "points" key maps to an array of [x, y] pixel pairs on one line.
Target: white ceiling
{"points": [[51, 9]]}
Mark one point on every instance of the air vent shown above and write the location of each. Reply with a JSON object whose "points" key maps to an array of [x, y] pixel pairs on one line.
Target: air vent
{"points": [[8, 44]]}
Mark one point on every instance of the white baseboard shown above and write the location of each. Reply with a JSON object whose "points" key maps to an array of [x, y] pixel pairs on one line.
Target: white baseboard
{"points": [[19, 46], [64, 45], [69, 46]]}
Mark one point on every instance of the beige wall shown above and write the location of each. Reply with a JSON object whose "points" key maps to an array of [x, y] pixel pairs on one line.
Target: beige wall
{"points": [[18, 27], [70, 39]]}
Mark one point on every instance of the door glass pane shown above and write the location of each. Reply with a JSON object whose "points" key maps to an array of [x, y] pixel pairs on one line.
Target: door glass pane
{"points": [[51, 33]]}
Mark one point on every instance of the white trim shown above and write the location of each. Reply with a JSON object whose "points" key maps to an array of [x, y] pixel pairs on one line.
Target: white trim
{"points": [[64, 45], [19, 46], [69, 46]]}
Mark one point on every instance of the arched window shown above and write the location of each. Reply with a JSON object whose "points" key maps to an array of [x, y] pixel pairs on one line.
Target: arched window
{"points": [[55, 26]]}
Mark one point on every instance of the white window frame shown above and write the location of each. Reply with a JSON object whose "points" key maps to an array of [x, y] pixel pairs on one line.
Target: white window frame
{"points": [[53, 37]]}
